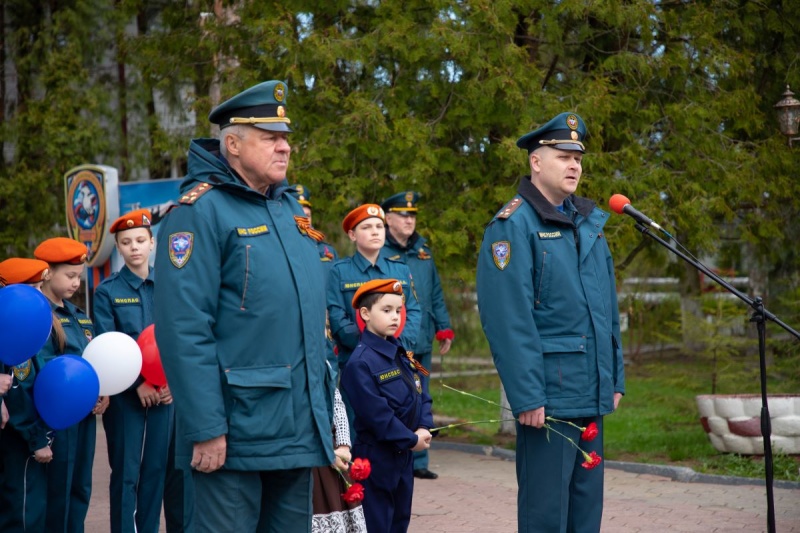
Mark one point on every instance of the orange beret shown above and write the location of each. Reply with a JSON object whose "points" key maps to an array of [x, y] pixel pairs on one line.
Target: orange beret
{"points": [[21, 270], [361, 213], [383, 286], [135, 219], [61, 250]]}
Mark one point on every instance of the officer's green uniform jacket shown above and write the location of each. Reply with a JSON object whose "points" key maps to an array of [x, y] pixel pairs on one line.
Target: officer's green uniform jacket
{"points": [[346, 276], [419, 259], [548, 305], [240, 320]]}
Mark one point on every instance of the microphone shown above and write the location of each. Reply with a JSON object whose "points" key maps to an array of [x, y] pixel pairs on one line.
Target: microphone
{"points": [[620, 204]]}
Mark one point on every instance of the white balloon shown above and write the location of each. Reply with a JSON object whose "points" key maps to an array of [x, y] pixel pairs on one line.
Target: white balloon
{"points": [[116, 358]]}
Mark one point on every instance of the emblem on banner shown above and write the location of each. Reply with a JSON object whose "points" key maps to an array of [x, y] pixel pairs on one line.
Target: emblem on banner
{"points": [[86, 209]]}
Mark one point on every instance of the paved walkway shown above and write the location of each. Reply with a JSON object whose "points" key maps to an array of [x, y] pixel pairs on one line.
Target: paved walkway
{"points": [[476, 493]]}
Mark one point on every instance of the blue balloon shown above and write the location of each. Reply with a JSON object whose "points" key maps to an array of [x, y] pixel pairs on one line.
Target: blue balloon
{"points": [[25, 322], [65, 391]]}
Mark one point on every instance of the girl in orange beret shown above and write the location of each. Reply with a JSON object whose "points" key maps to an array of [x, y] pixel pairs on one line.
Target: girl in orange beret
{"points": [[25, 444], [69, 475], [138, 420]]}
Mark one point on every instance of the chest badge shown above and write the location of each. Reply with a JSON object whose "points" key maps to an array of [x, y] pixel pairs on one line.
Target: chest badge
{"points": [[180, 248], [501, 253], [22, 371]]}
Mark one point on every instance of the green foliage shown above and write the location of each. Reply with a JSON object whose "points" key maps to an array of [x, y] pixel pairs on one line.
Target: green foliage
{"points": [[429, 95]]}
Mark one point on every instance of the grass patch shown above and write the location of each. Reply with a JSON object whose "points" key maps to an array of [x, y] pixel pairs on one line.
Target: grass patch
{"points": [[657, 421]]}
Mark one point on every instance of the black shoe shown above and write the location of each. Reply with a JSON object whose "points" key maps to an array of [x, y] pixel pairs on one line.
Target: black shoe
{"points": [[424, 473]]}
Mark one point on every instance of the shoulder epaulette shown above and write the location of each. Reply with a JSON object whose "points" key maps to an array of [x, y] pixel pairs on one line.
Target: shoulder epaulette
{"points": [[510, 207], [191, 197]]}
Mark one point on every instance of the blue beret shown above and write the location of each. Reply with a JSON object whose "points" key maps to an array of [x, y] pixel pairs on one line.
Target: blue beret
{"points": [[403, 203], [301, 194], [564, 132], [262, 106]]}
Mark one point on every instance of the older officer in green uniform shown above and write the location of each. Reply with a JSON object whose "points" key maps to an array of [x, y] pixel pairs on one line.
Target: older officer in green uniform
{"points": [[403, 243], [240, 324], [548, 306]]}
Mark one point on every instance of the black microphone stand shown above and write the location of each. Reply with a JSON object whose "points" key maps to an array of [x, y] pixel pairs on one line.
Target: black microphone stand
{"points": [[759, 316]]}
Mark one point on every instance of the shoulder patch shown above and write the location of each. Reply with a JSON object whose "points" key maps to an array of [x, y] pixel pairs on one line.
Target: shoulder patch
{"points": [[501, 253], [180, 248], [191, 197], [509, 208]]}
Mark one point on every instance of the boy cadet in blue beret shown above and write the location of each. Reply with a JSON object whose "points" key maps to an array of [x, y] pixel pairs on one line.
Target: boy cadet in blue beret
{"points": [[403, 243], [548, 305], [239, 320]]}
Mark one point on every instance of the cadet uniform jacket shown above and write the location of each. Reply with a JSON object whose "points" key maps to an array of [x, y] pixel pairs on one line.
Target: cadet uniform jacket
{"points": [[78, 329], [428, 288], [124, 302], [23, 416], [548, 305], [240, 320], [386, 394], [346, 276]]}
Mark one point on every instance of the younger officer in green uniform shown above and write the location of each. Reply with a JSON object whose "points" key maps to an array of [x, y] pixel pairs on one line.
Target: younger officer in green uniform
{"points": [[137, 421], [69, 475], [25, 444], [403, 243], [548, 305], [240, 324]]}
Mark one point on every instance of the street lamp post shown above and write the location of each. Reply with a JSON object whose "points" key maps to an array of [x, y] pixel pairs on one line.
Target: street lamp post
{"points": [[789, 115]]}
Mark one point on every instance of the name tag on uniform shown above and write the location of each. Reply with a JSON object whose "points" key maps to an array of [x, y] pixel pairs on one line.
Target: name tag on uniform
{"points": [[550, 235], [127, 301], [351, 285], [252, 232], [388, 375]]}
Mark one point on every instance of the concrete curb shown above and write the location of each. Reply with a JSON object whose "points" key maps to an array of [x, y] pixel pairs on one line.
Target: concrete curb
{"points": [[676, 473]]}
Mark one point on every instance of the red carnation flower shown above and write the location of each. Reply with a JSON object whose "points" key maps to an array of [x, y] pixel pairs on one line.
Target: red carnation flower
{"points": [[360, 469], [590, 432], [354, 493], [592, 460]]}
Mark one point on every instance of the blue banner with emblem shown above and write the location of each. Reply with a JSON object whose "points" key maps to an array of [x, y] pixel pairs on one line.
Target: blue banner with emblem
{"points": [[95, 199]]}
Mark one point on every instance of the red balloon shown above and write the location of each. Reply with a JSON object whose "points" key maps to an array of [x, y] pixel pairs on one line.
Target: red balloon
{"points": [[397, 333], [152, 369]]}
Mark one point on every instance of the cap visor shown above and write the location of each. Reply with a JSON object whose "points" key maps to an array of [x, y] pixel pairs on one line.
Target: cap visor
{"points": [[274, 126], [568, 146]]}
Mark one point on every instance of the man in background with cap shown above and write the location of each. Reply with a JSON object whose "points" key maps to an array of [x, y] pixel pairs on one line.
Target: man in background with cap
{"points": [[403, 243], [548, 305], [240, 324], [327, 253]]}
